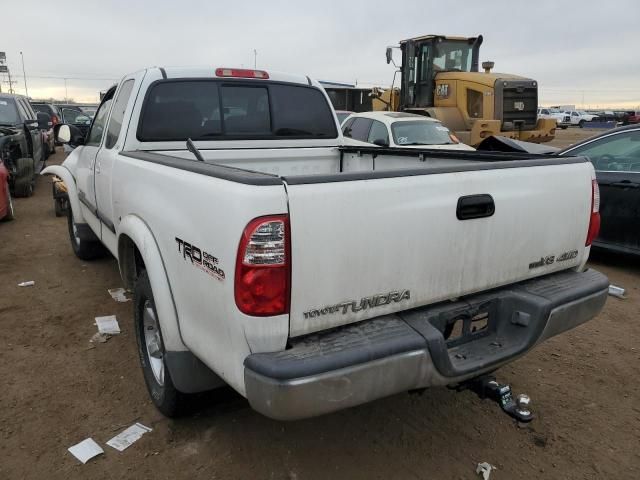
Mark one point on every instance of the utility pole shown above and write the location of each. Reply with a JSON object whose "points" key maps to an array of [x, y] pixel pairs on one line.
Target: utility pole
{"points": [[26, 92], [11, 82], [66, 95], [255, 59]]}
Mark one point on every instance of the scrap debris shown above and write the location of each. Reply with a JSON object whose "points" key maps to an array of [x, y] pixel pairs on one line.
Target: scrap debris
{"points": [[484, 469], [128, 436], [108, 325], [616, 291], [29, 283], [86, 450], [118, 294]]}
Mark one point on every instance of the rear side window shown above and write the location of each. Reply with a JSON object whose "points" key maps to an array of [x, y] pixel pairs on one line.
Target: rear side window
{"points": [[117, 114], [217, 110], [359, 129], [8, 112]]}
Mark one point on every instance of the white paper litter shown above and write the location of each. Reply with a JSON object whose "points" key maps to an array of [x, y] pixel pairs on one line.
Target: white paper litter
{"points": [[616, 291], [118, 294], [29, 283], [125, 438], [484, 469], [86, 450], [99, 337], [108, 325]]}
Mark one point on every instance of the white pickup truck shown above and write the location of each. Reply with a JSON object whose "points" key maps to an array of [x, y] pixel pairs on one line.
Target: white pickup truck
{"points": [[312, 276]]}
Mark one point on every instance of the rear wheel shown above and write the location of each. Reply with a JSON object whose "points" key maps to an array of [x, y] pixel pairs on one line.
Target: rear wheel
{"points": [[10, 212], [23, 183], [83, 249], [151, 351], [581, 123]]}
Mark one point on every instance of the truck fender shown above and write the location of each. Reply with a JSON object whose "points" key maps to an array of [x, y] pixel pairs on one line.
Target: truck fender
{"points": [[72, 190], [188, 373]]}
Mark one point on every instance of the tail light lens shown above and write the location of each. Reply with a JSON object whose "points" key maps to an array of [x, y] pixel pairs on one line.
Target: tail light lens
{"points": [[594, 221], [262, 280]]}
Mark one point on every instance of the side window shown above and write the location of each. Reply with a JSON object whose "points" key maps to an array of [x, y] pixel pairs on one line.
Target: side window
{"points": [[378, 132], [97, 129], [617, 153], [23, 112], [574, 114], [360, 128], [346, 128], [31, 115], [119, 107]]}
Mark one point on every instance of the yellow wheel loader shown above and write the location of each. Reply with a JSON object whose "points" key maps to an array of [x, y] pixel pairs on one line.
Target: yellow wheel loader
{"points": [[440, 79]]}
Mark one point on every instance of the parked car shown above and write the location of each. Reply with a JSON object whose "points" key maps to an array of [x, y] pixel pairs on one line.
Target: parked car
{"points": [[579, 118], [631, 117], [73, 115], [399, 129], [6, 203], [342, 115], [54, 113], [22, 148], [563, 120], [616, 158], [311, 276]]}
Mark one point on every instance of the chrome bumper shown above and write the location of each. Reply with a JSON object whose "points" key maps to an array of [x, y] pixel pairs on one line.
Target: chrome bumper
{"points": [[362, 362]]}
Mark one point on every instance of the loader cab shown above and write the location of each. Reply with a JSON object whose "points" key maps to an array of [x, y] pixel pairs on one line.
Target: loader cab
{"points": [[424, 57]]}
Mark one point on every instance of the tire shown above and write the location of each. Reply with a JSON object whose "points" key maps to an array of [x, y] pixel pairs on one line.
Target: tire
{"points": [[23, 183], [563, 127], [163, 392], [61, 205], [10, 212], [83, 249], [581, 123]]}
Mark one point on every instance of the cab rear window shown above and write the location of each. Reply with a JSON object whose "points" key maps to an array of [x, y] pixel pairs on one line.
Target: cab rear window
{"points": [[175, 110]]}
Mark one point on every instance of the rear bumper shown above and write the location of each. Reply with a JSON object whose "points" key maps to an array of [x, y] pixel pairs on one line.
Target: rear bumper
{"points": [[362, 362]]}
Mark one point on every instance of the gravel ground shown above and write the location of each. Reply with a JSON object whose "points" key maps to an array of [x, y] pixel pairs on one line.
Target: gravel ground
{"points": [[59, 389]]}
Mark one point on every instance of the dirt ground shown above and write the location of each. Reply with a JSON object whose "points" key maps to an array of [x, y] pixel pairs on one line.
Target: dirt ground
{"points": [[58, 389]]}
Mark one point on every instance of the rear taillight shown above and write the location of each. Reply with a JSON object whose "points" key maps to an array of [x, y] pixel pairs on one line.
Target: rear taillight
{"points": [[241, 73], [263, 267], [594, 220]]}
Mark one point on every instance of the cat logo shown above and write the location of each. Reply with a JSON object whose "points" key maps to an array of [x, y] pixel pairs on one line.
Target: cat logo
{"points": [[518, 106], [442, 90]]}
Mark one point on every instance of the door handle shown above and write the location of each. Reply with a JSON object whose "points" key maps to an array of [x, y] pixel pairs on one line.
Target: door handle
{"points": [[625, 184], [98, 166], [475, 206]]}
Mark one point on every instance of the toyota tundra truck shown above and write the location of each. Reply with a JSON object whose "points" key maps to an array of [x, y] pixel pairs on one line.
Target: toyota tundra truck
{"points": [[309, 275]]}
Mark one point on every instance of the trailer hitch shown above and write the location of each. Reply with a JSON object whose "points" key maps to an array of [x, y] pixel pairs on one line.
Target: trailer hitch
{"points": [[486, 386]]}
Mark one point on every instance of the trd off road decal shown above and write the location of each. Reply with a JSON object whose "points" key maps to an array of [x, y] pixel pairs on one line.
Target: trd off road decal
{"points": [[201, 259]]}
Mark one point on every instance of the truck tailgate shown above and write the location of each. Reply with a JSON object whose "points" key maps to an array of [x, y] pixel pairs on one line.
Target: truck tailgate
{"points": [[364, 248]]}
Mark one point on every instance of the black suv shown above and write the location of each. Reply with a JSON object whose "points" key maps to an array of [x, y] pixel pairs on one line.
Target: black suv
{"points": [[22, 146]]}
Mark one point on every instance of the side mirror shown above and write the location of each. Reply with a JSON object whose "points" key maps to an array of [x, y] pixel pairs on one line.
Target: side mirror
{"points": [[31, 124], [381, 142], [44, 121], [389, 54], [62, 133]]}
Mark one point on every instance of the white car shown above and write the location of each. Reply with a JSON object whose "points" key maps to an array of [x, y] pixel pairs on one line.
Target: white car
{"points": [[308, 275], [399, 129]]}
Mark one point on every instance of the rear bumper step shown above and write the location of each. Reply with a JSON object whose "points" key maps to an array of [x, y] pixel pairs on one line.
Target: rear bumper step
{"points": [[437, 345]]}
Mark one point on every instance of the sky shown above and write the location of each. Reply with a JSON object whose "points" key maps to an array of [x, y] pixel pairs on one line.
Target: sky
{"points": [[582, 53]]}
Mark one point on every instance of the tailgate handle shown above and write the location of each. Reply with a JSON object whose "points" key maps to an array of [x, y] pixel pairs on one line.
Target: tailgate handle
{"points": [[475, 206]]}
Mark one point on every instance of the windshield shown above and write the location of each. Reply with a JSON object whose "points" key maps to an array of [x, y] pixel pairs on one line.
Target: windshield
{"points": [[452, 55], [421, 132], [8, 112]]}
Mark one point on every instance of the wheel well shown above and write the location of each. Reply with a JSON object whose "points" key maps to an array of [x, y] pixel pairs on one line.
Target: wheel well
{"points": [[130, 260]]}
